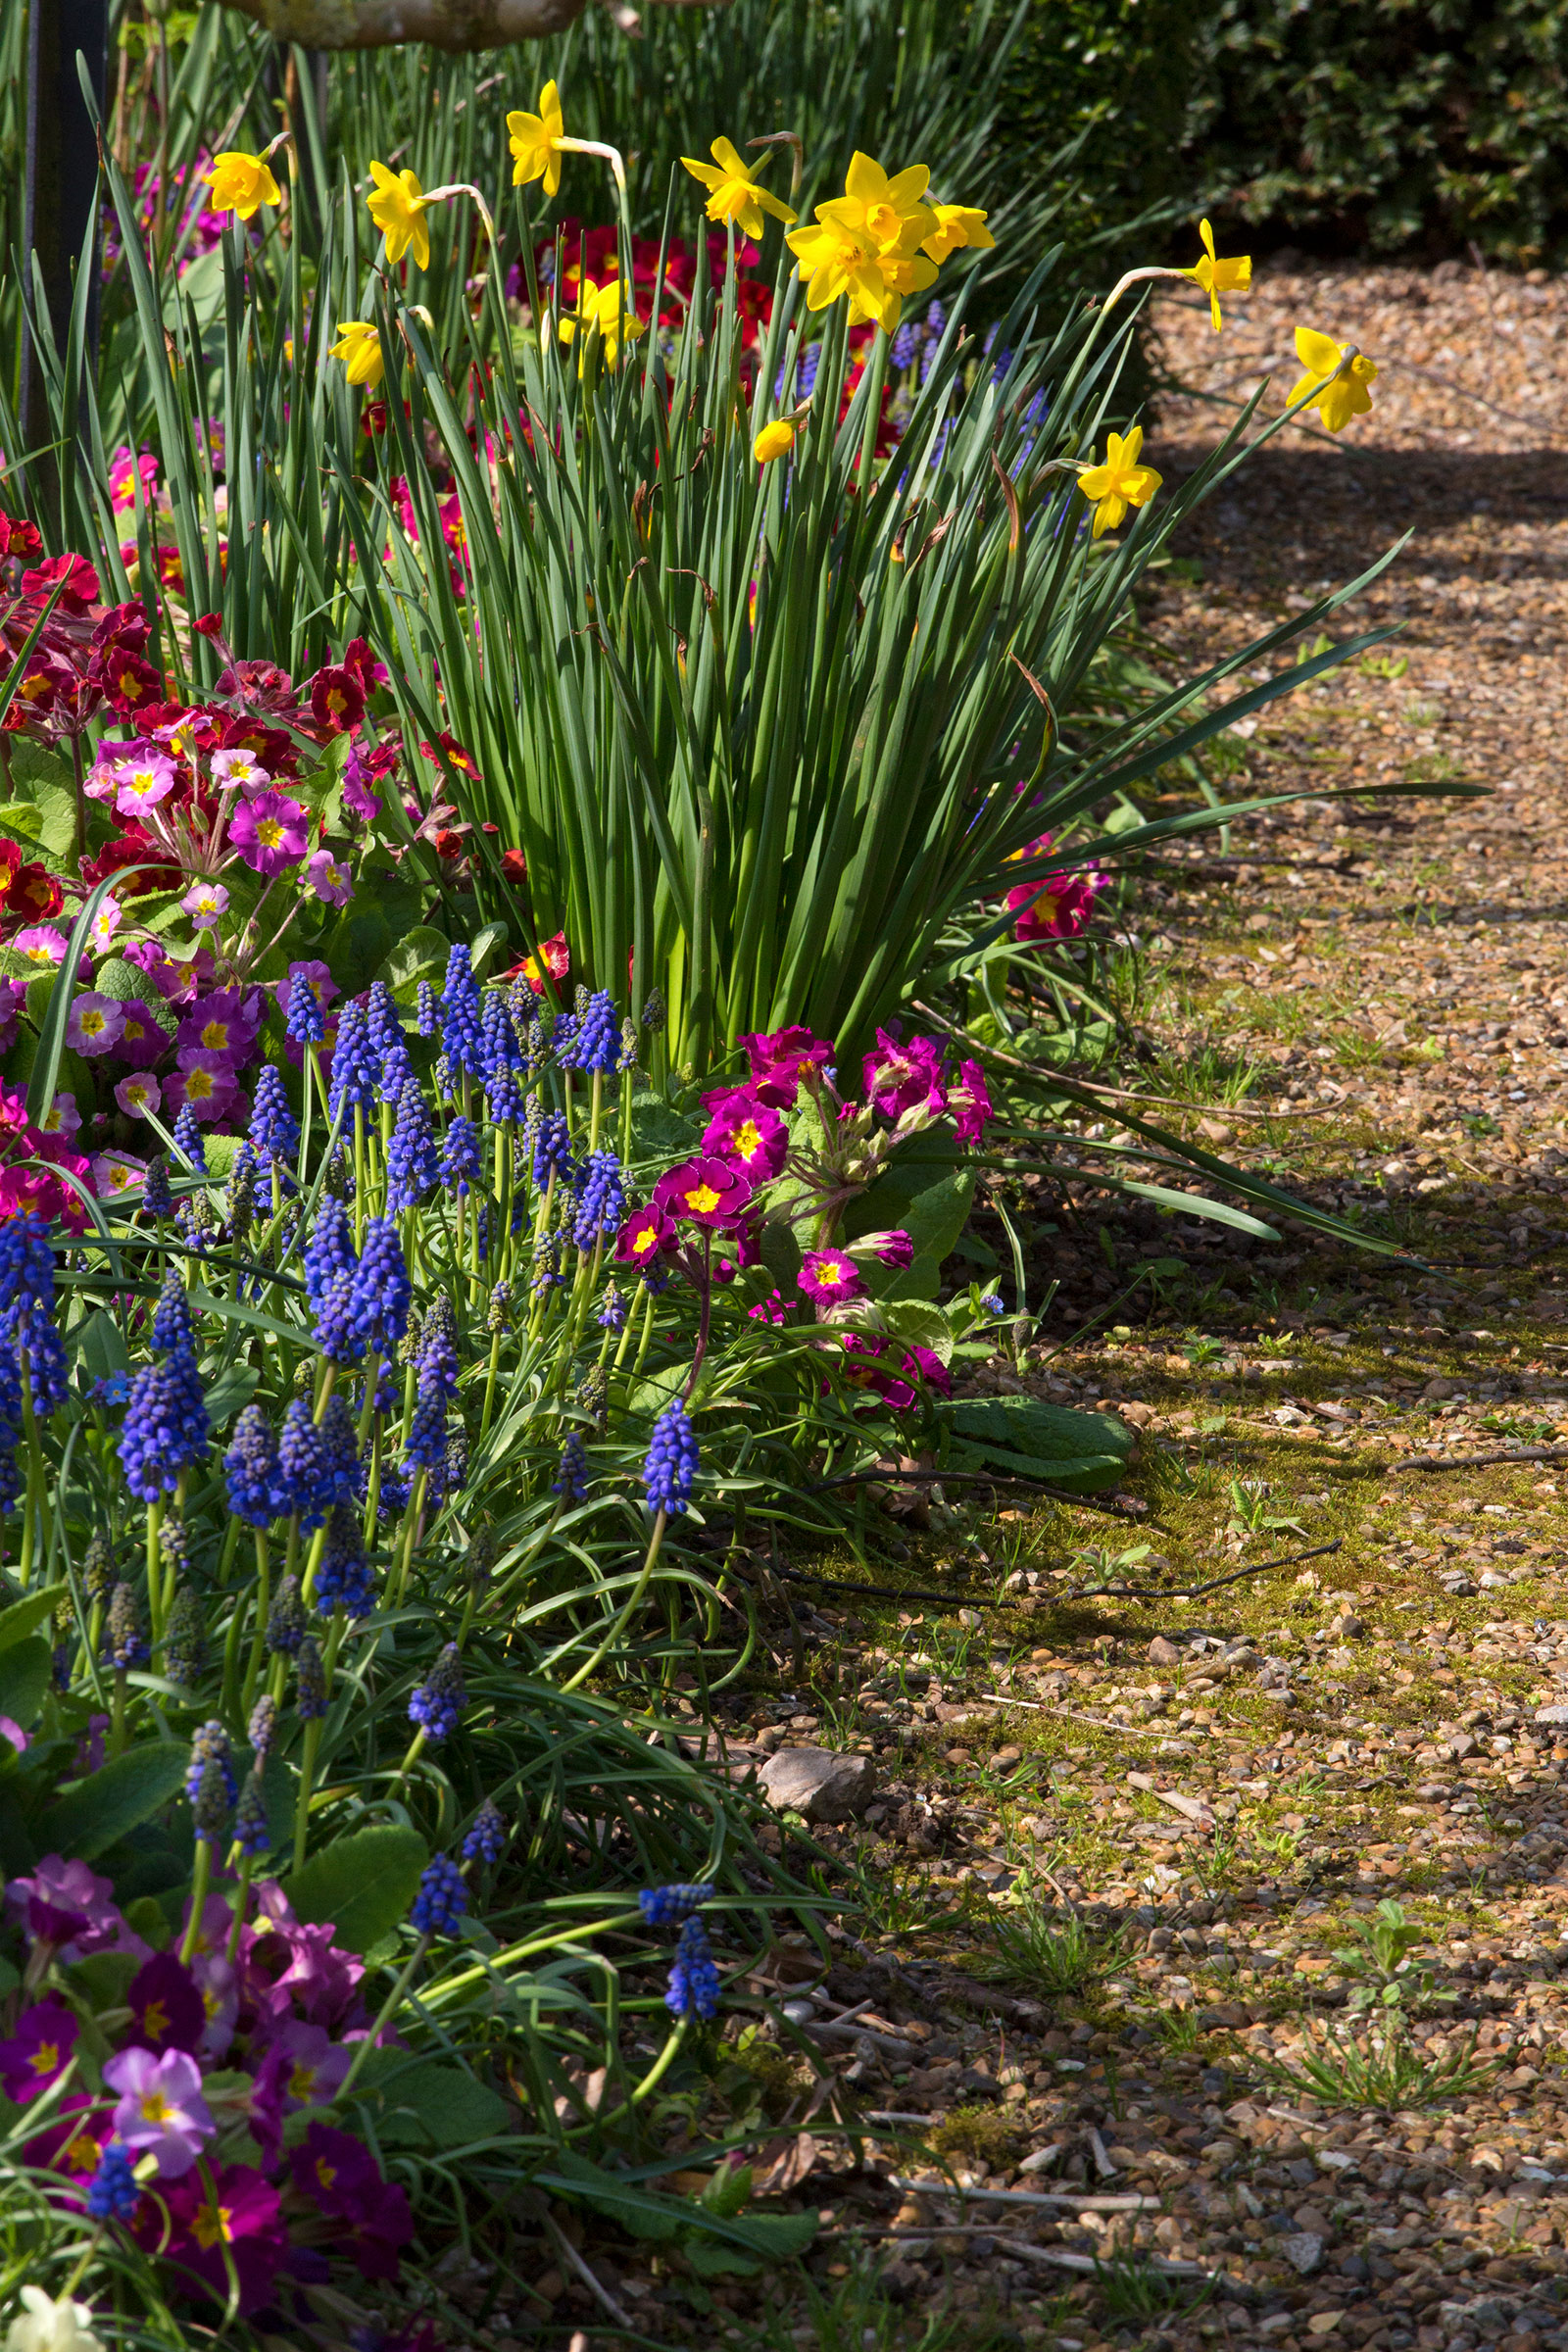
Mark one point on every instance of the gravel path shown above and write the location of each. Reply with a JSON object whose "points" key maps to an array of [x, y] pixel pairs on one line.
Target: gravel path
{"points": [[1121, 1873]]}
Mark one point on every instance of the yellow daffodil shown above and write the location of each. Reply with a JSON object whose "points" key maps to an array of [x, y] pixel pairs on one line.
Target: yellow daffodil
{"points": [[358, 347], [1218, 277], [904, 269], [733, 191], [1337, 376], [241, 183], [885, 208], [1121, 482], [837, 259], [776, 440], [398, 208], [535, 142], [956, 224], [601, 310]]}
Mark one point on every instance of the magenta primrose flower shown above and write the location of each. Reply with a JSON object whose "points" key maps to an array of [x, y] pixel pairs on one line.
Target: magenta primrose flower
{"points": [[221, 1026], [95, 1023], [703, 1191], [39, 2052], [970, 1103], [142, 1041], [781, 1057], [748, 1131], [41, 944], [237, 2220], [647, 1236], [161, 2108], [832, 1276], [204, 1083], [242, 769], [898, 1076], [330, 878], [269, 833], [891, 1248]]}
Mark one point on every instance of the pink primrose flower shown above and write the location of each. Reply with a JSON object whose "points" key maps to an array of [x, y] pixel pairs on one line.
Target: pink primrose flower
{"points": [[206, 1083], [240, 768], [748, 1131], [206, 903], [330, 878], [95, 1023], [62, 1118], [138, 1095], [124, 469], [1058, 908], [269, 833], [41, 944], [115, 1175], [105, 923], [140, 783], [161, 2108]]}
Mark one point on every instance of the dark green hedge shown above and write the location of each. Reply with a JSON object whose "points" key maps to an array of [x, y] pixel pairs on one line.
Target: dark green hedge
{"points": [[1393, 124]]}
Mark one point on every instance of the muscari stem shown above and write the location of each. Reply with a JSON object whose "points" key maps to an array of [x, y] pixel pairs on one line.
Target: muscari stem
{"points": [[198, 1897], [388, 2006], [624, 1615]]}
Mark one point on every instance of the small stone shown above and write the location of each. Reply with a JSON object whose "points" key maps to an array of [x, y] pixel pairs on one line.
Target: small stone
{"points": [[817, 1783], [1551, 1715], [1302, 2249], [1163, 1652]]}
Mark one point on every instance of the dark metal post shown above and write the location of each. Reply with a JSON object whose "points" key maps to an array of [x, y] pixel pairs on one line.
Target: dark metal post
{"points": [[62, 187]]}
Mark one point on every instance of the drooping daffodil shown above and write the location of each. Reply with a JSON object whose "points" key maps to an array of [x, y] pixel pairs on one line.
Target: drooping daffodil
{"points": [[398, 208], [535, 142], [358, 347], [776, 440], [1218, 277], [241, 183], [1120, 482], [733, 192], [1337, 378]]}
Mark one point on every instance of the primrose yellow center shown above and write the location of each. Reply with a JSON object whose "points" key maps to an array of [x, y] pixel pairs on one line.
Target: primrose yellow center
{"points": [[302, 2083], [156, 2108], [83, 2154], [210, 2222], [701, 1200], [39, 955], [830, 1276], [269, 833], [92, 1023], [326, 2173], [154, 2021], [143, 783], [134, 1031], [748, 1141], [45, 2058], [198, 1086], [214, 1036]]}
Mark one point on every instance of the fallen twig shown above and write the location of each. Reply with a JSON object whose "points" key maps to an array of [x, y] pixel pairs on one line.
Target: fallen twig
{"points": [[1291, 1559], [595, 2285], [1481, 1461], [1128, 2201]]}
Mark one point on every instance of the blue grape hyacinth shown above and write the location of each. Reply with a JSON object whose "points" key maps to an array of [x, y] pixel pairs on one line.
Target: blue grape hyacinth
{"points": [[671, 1462], [442, 1898]]}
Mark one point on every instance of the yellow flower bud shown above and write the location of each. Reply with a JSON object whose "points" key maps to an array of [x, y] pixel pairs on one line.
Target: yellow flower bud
{"points": [[776, 440]]}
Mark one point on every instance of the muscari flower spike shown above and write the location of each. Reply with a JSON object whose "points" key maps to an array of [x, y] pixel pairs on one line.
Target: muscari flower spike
{"points": [[460, 1155], [112, 2193], [356, 1063], [188, 1138], [380, 1292], [310, 1683], [125, 1639], [596, 1043], [442, 1898], [437, 1702], [251, 1832], [274, 1130], [261, 1729], [426, 1018], [437, 1360], [285, 1620], [671, 1462], [571, 1481], [344, 1581], [486, 1839], [413, 1163], [185, 1641], [694, 1987], [672, 1906], [306, 1023], [210, 1745], [250, 1470], [155, 1198]]}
